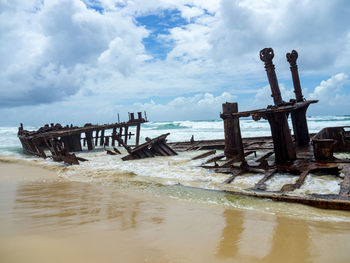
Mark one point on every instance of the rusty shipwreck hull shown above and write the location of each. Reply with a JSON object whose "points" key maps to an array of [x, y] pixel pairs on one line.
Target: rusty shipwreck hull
{"points": [[261, 161], [60, 141]]}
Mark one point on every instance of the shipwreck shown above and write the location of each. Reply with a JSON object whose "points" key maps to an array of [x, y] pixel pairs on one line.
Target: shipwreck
{"points": [[299, 154]]}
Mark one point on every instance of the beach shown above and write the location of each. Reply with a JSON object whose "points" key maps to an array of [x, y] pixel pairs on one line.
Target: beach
{"points": [[48, 218], [162, 209]]}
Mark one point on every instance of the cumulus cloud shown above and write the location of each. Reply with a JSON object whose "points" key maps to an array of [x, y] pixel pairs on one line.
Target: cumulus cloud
{"points": [[45, 46], [331, 88], [333, 95], [263, 96], [82, 51], [198, 107]]}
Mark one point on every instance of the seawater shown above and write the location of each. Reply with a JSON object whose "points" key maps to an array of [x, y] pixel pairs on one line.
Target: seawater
{"points": [[180, 177]]}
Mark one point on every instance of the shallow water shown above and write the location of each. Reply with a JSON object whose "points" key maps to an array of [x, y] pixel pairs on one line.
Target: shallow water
{"points": [[50, 219]]}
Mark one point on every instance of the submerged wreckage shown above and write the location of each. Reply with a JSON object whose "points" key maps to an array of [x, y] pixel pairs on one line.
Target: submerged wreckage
{"points": [[298, 155]]}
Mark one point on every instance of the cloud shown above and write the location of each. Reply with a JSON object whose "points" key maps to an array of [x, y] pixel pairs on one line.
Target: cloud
{"points": [[329, 89], [245, 27], [198, 107], [67, 52], [45, 47], [263, 96], [333, 96]]}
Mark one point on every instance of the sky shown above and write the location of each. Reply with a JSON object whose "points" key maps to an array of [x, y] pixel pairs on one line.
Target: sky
{"points": [[78, 61]]}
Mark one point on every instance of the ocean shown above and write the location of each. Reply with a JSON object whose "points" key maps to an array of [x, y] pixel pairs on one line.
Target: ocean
{"points": [[178, 176]]}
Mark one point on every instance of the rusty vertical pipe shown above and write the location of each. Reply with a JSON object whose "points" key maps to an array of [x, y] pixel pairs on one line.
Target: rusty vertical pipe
{"points": [[292, 59], [266, 55]]}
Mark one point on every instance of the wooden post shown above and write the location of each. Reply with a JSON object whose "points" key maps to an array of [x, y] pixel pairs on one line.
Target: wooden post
{"points": [[266, 55], [139, 115], [102, 138], [233, 139], [132, 116], [138, 127], [114, 133], [300, 128], [107, 141], [89, 140]]}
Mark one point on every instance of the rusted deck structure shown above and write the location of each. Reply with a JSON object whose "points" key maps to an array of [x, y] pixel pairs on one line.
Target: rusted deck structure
{"points": [[298, 155], [62, 140]]}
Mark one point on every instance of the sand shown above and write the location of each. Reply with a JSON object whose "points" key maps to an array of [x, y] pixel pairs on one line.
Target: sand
{"points": [[46, 218]]}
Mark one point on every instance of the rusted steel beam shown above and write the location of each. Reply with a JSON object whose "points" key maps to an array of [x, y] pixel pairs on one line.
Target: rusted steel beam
{"points": [[203, 155], [150, 148], [120, 134], [261, 184], [266, 55], [114, 134], [282, 140], [300, 127], [96, 137], [116, 150], [235, 173], [215, 158], [292, 59], [126, 134], [297, 184], [102, 138], [232, 131], [89, 140], [137, 139], [344, 192], [319, 201], [264, 156]]}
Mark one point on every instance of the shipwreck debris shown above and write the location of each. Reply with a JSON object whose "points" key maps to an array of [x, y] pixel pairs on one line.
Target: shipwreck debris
{"points": [[299, 154], [151, 148], [62, 140]]}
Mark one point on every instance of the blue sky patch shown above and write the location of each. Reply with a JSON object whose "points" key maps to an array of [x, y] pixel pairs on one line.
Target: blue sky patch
{"points": [[159, 24]]}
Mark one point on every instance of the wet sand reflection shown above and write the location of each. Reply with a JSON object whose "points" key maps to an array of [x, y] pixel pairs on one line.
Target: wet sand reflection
{"points": [[252, 237], [166, 229], [69, 204]]}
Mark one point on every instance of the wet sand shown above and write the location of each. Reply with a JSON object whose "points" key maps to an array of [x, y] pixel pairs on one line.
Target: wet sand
{"points": [[46, 218]]}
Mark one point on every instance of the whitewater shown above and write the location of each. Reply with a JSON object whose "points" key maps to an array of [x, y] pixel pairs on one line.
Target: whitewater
{"points": [[180, 177]]}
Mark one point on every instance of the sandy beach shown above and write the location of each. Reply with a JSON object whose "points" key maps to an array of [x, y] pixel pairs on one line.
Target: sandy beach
{"points": [[46, 218]]}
